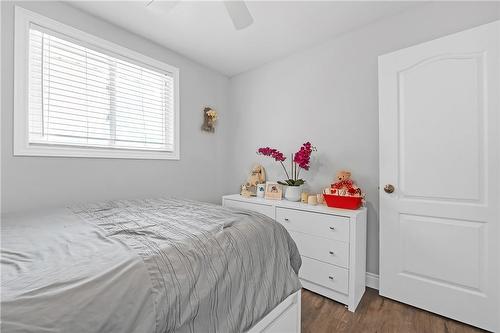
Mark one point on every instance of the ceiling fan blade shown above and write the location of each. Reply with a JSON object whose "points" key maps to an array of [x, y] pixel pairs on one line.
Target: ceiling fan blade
{"points": [[164, 6], [239, 13]]}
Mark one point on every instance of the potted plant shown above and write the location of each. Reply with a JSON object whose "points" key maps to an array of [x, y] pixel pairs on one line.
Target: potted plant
{"points": [[299, 160]]}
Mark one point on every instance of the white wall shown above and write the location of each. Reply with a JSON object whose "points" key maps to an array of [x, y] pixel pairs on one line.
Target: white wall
{"points": [[34, 182], [328, 95]]}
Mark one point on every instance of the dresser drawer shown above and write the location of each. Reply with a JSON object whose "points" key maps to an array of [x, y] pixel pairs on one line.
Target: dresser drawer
{"points": [[263, 209], [323, 225], [323, 249], [326, 275]]}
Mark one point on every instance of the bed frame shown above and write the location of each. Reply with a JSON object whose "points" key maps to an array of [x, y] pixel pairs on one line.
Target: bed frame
{"points": [[284, 318]]}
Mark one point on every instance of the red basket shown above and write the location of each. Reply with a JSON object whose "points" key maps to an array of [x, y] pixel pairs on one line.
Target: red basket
{"points": [[338, 201]]}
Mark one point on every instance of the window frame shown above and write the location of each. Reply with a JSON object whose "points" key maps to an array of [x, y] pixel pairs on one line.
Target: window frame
{"points": [[22, 147]]}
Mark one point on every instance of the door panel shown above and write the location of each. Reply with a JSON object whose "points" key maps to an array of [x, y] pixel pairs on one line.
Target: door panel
{"points": [[454, 264], [439, 147], [441, 127]]}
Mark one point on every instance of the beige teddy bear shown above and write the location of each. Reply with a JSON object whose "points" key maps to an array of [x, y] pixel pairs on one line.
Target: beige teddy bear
{"points": [[343, 175], [344, 185], [257, 176]]}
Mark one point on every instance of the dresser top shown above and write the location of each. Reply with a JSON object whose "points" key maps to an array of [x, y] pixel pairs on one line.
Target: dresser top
{"points": [[297, 205]]}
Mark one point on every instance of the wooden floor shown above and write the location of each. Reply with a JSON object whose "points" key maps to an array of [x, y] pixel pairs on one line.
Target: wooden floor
{"points": [[374, 314]]}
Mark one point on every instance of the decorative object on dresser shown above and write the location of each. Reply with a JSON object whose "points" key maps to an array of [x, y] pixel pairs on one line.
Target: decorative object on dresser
{"points": [[209, 119], [344, 185], [299, 160], [257, 176], [261, 190], [311, 200], [320, 198], [245, 191], [273, 191], [332, 244], [303, 197], [343, 193], [293, 193]]}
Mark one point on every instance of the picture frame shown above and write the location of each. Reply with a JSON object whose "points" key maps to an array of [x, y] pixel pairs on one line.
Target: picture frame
{"points": [[274, 191]]}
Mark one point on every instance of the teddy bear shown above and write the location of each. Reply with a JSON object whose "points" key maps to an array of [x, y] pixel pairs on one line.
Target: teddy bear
{"points": [[257, 176], [245, 191], [344, 185]]}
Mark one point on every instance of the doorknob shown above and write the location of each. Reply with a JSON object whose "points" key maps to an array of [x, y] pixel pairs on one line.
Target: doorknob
{"points": [[389, 188]]}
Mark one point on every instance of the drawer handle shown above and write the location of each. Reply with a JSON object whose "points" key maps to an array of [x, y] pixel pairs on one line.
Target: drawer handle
{"points": [[286, 219], [331, 277], [332, 228], [331, 252]]}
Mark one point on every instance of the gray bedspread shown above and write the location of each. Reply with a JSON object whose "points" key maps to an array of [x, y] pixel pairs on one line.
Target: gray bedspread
{"points": [[158, 265]]}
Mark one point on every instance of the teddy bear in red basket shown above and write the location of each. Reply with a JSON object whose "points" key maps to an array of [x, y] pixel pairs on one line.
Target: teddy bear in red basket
{"points": [[345, 186], [343, 193]]}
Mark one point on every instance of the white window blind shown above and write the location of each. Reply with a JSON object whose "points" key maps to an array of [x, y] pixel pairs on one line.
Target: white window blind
{"points": [[80, 96]]}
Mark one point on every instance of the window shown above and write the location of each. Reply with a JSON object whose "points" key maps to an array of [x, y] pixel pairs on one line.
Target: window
{"points": [[83, 96]]}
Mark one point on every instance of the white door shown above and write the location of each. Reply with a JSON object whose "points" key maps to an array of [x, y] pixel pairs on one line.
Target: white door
{"points": [[439, 149]]}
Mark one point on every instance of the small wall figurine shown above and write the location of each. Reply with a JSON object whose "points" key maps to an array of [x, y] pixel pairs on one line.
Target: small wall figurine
{"points": [[257, 176], [209, 119]]}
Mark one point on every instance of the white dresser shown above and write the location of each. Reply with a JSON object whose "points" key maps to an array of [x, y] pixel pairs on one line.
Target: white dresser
{"points": [[332, 243]]}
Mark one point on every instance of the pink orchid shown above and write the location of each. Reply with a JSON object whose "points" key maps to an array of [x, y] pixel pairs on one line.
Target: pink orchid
{"points": [[276, 154], [303, 156], [301, 159]]}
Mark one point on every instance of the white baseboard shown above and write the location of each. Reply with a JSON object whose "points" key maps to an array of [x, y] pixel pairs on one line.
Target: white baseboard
{"points": [[372, 280]]}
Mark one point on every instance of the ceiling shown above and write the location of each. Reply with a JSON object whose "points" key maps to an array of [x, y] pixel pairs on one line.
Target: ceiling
{"points": [[204, 32]]}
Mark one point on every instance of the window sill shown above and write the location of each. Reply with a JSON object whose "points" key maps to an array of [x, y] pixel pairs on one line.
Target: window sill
{"points": [[89, 152]]}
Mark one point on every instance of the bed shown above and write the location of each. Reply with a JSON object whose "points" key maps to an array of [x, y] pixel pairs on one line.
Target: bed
{"points": [[158, 265]]}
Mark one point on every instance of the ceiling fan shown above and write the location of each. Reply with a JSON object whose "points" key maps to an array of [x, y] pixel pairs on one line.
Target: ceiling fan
{"points": [[237, 10]]}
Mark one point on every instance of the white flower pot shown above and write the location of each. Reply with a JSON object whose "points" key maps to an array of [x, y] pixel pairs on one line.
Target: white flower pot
{"points": [[292, 193]]}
